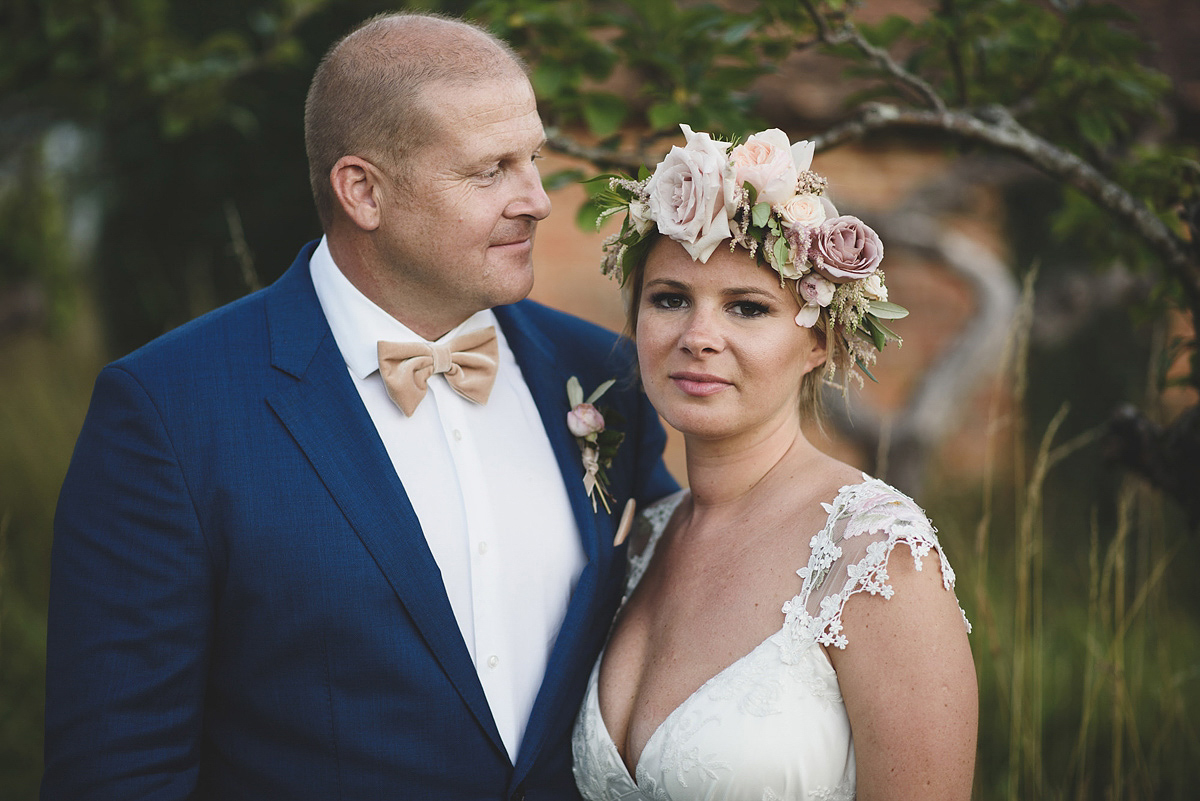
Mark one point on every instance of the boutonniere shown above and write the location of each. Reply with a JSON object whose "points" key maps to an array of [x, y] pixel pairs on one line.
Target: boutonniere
{"points": [[598, 441]]}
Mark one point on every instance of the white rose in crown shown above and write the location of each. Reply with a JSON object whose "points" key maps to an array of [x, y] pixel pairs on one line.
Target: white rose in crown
{"points": [[639, 216], [874, 289], [687, 194], [765, 162], [804, 211]]}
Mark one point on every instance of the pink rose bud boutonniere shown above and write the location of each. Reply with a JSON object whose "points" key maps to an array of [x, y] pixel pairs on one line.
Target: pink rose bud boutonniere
{"points": [[598, 442]]}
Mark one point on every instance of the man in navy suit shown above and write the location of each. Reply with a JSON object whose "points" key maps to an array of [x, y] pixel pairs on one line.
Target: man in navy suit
{"points": [[281, 573]]}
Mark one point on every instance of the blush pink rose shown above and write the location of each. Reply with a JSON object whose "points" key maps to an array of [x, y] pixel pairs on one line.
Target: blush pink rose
{"points": [[817, 292], [765, 162], [816, 289], [846, 249], [687, 194], [584, 420]]}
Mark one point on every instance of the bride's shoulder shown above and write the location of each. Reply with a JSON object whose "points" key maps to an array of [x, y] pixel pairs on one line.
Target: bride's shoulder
{"points": [[869, 506]]}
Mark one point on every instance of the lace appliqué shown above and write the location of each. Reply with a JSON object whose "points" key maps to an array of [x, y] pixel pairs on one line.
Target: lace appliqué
{"points": [[649, 525], [843, 792], [869, 509]]}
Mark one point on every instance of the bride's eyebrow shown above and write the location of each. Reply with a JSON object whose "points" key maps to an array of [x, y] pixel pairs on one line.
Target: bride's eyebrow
{"points": [[667, 283], [744, 291]]}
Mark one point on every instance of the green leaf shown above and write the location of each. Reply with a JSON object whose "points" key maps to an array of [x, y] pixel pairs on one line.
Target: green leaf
{"points": [[665, 115], [561, 178], [604, 112], [865, 371], [889, 334], [600, 390], [781, 251], [574, 392], [751, 193], [877, 336], [589, 212], [887, 311], [760, 214], [548, 79]]}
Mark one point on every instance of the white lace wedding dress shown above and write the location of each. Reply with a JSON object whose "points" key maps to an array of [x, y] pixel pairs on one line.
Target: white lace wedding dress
{"points": [[772, 725]]}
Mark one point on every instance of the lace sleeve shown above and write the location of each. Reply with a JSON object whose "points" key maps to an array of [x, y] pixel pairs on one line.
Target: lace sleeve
{"points": [[647, 528], [850, 555]]}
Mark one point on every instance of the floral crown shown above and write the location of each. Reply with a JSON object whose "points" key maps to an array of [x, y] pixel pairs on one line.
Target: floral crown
{"points": [[761, 195]]}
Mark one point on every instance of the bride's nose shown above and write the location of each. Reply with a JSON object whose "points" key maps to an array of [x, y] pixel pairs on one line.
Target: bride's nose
{"points": [[701, 334]]}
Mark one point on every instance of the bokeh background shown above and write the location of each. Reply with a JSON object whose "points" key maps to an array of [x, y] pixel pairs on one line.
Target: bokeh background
{"points": [[152, 167]]}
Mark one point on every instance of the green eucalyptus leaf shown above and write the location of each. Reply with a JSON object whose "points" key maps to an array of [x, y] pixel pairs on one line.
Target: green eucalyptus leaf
{"points": [[574, 392], [600, 390], [889, 334], [887, 311], [877, 336], [760, 213], [781, 251]]}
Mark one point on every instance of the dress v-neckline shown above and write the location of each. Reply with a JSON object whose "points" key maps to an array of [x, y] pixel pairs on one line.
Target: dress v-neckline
{"points": [[645, 559], [595, 682]]}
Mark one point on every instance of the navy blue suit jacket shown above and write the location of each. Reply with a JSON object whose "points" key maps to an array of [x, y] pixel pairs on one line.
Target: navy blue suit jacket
{"points": [[243, 605]]}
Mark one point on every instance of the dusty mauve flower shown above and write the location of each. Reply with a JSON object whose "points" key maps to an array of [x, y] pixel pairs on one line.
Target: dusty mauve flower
{"points": [[765, 162], [687, 194], [584, 420], [805, 211], [816, 289], [846, 249]]}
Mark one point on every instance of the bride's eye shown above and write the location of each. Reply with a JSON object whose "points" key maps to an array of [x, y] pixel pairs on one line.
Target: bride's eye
{"points": [[667, 300], [748, 308]]}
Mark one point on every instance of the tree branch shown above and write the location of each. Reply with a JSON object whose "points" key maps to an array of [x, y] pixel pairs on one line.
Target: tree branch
{"points": [[999, 130], [849, 33]]}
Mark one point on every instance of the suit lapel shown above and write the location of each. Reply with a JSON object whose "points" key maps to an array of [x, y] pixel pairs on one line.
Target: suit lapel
{"points": [[325, 415], [546, 376]]}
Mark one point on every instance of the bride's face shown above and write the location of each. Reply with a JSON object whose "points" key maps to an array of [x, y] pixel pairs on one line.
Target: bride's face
{"points": [[718, 346]]}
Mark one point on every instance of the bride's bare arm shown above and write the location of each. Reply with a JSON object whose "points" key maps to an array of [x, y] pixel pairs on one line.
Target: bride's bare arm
{"points": [[908, 681]]}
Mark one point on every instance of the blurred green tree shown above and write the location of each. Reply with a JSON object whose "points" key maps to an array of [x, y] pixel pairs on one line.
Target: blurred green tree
{"points": [[194, 109]]}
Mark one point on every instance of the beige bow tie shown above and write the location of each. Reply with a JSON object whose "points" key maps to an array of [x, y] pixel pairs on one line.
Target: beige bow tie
{"points": [[468, 362]]}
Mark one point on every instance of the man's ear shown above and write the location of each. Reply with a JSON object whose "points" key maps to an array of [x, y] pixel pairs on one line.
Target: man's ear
{"points": [[355, 184]]}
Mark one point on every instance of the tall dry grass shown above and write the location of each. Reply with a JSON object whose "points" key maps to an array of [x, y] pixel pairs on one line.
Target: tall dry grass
{"points": [[1089, 672]]}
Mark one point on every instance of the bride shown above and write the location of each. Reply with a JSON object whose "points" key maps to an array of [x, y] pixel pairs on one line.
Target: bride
{"points": [[790, 629]]}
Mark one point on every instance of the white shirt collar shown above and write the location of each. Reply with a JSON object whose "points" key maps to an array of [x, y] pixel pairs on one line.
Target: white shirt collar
{"points": [[358, 324]]}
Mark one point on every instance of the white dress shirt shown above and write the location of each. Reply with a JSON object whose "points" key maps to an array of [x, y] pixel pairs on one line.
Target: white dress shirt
{"points": [[486, 488]]}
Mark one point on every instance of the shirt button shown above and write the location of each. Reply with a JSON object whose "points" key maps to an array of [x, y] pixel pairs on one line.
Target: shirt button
{"points": [[457, 435], [482, 548], [493, 661]]}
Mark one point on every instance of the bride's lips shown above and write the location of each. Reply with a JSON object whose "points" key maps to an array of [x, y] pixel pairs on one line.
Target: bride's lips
{"points": [[700, 385]]}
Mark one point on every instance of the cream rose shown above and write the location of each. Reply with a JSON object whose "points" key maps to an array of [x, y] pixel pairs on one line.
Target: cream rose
{"points": [[804, 211], [765, 162], [802, 155], [687, 194], [846, 249], [639, 215], [873, 287]]}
